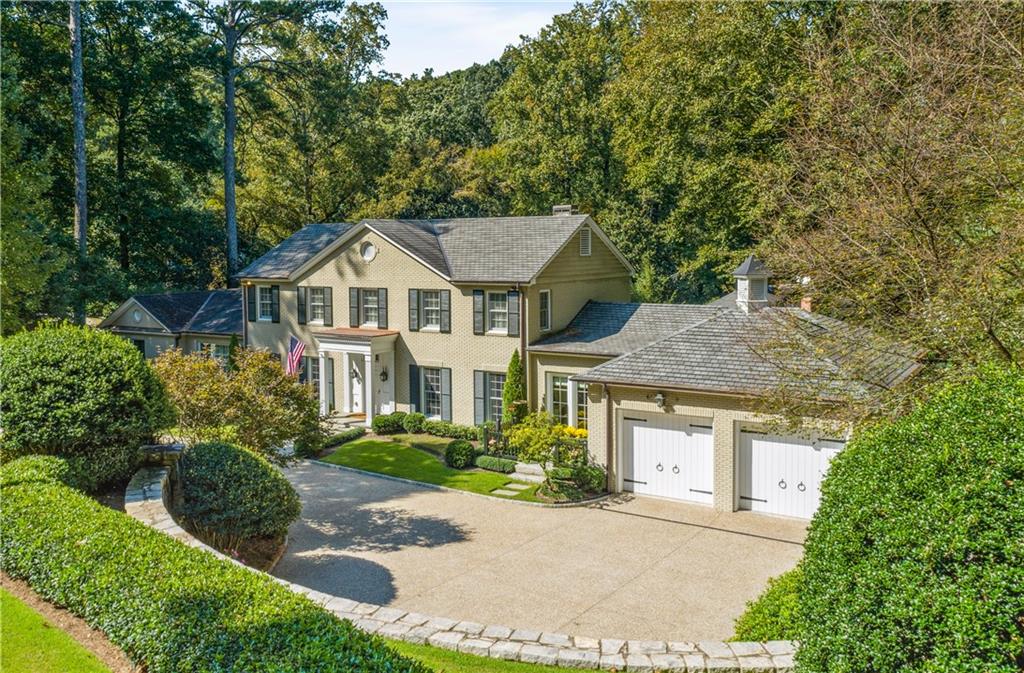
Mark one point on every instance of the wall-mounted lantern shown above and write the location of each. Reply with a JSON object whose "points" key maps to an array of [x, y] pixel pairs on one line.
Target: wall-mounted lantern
{"points": [[384, 374], [659, 400]]}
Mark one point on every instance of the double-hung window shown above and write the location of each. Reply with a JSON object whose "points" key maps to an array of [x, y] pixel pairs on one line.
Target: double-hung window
{"points": [[497, 312], [431, 309], [432, 391], [316, 305], [545, 310], [266, 303], [495, 388], [567, 401], [370, 306]]}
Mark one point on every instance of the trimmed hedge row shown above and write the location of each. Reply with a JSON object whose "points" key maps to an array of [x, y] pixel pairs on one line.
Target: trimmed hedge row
{"points": [[400, 421], [344, 437], [170, 607], [496, 464]]}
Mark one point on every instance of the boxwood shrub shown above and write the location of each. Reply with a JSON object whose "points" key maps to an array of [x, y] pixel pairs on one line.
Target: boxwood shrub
{"points": [[389, 424], [459, 454], [170, 607], [83, 394], [29, 469], [346, 435], [773, 614], [915, 561], [452, 430], [231, 494], [413, 423], [496, 464]]}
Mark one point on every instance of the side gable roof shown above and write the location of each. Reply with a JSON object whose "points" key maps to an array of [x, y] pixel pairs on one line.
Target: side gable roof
{"points": [[201, 311], [173, 309], [221, 313], [461, 250]]}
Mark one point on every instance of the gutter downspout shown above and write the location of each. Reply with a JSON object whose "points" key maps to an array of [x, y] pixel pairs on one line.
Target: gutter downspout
{"points": [[608, 425], [245, 315], [527, 369]]}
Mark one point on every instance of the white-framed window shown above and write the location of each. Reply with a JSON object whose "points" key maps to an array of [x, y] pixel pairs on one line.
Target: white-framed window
{"points": [[495, 388], [581, 405], [545, 310], [567, 400], [585, 242], [370, 306], [431, 300], [316, 305], [497, 312], [265, 309], [432, 392], [559, 395]]}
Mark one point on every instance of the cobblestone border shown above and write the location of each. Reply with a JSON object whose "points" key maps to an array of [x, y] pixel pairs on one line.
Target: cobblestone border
{"points": [[448, 489], [144, 500]]}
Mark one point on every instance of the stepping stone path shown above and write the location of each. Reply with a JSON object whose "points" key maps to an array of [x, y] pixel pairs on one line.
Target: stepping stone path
{"points": [[512, 486], [504, 491], [144, 501]]}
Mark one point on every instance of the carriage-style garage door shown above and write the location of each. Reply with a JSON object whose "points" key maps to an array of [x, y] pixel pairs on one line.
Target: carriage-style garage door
{"points": [[783, 474], [668, 456]]}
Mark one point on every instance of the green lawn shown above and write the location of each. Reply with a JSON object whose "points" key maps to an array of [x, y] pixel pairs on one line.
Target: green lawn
{"points": [[447, 661], [402, 459], [32, 645]]}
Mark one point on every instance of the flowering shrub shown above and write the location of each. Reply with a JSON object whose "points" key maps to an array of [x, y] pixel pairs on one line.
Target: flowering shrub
{"points": [[538, 439]]}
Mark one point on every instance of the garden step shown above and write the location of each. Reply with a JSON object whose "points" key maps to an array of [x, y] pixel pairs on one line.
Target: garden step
{"points": [[532, 478], [504, 491], [530, 468], [512, 486]]}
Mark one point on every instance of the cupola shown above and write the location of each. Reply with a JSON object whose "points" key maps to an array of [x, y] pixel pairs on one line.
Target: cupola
{"points": [[751, 284]]}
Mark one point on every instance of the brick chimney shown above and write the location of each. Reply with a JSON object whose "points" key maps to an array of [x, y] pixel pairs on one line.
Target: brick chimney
{"points": [[563, 209]]}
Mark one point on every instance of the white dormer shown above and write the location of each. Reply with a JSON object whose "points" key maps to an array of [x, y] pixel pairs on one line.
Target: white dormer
{"points": [[751, 285]]}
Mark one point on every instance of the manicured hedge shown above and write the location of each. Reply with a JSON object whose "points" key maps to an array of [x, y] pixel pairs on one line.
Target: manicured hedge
{"points": [[232, 494], [773, 614], [413, 423], [496, 464], [451, 430], [33, 469], [170, 607], [459, 454], [389, 424], [83, 394], [915, 559], [347, 435]]}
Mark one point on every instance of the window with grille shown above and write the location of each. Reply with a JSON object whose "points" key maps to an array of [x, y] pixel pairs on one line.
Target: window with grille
{"points": [[370, 307], [495, 388], [497, 311], [431, 309], [545, 310], [266, 303], [431, 391], [560, 399], [581, 405], [316, 304]]}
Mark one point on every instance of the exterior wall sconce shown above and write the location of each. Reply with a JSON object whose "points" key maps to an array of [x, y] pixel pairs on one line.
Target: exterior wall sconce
{"points": [[659, 401], [384, 374]]}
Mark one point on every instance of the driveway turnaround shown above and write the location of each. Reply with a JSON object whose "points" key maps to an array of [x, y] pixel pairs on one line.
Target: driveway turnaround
{"points": [[626, 568]]}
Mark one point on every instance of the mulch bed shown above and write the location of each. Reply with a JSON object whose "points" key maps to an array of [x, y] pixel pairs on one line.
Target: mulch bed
{"points": [[76, 627]]}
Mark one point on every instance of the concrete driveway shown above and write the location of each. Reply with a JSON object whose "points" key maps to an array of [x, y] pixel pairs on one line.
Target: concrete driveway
{"points": [[632, 568]]}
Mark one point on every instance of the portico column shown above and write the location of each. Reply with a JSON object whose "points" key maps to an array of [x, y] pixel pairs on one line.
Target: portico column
{"points": [[368, 389], [346, 378], [323, 383]]}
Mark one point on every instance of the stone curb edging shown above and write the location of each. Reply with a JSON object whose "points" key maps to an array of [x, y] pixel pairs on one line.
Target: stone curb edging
{"points": [[448, 489], [144, 501]]}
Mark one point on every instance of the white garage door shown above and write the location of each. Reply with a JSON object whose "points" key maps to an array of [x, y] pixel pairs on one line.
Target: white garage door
{"points": [[668, 456], [783, 474]]}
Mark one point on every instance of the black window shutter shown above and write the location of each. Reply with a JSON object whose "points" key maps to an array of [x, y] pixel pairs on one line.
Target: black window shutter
{"points": [[250, 300], [353, 307], [478, 311], [513, 313], [275, 303], [414, 310], [479, 391], [414, 388], [328, 307], [446, 394], [301, 294], [382, 308], [446, 311]]}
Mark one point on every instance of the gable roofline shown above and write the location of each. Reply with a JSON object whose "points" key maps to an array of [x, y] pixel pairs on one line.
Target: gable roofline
{"points": [[123, 308], [595, 228]]}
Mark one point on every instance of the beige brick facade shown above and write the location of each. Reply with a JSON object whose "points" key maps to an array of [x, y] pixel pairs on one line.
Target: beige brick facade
{"points": [[460, 350]]}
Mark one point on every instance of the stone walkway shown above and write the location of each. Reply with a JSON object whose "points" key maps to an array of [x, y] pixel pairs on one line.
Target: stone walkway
{"points": [[144, 501]]}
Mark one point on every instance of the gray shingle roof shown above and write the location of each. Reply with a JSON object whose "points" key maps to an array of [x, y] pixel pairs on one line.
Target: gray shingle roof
{"points": [[173, 309], [611, 329], [220, 314], [294, 251], [751, 266], [761, 352], [469, 249]]}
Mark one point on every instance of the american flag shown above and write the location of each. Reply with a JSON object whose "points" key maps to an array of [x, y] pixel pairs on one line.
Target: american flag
{"points": [[295, 350]]}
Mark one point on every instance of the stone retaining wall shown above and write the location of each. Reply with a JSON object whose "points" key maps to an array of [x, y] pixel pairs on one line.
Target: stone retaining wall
{"points": [[144, 500]]}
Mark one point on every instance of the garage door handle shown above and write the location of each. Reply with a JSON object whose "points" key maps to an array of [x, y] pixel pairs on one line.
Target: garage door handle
{"points": [[800, 487], [660, 467], [782, 484], [675, 469]]}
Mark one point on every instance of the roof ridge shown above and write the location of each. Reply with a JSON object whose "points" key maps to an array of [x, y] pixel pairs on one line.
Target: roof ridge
{"points": [[209, 296]]}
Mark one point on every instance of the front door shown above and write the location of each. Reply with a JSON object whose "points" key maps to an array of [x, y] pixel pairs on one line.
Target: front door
{"points": [[356, 381]]}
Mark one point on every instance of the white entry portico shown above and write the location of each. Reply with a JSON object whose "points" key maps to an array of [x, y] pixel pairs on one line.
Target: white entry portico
{"points": [[367, 374]]}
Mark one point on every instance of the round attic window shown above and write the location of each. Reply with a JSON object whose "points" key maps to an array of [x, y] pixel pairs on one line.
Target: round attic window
{"points": [[137, 315], [368, 251]]}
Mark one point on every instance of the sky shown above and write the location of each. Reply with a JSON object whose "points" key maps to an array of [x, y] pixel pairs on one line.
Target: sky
{"points": [[453, 34]]}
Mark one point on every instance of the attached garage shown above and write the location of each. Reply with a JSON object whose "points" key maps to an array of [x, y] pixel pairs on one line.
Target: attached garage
{"points": [[782, 475], [668, 456]]}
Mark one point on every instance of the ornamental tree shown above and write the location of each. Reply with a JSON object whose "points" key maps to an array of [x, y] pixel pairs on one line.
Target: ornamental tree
{"points": [[513, 395]]}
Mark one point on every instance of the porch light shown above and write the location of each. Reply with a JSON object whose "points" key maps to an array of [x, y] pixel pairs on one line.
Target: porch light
{"points": [[659, 401], [384, 374]]}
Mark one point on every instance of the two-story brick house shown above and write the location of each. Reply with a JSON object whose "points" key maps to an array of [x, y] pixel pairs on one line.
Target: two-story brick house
{"points": [[425, 314]]}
